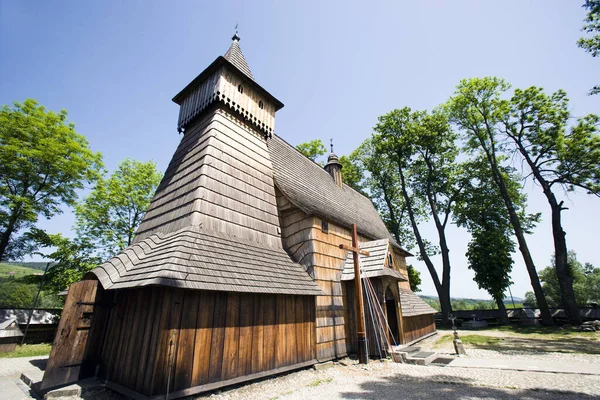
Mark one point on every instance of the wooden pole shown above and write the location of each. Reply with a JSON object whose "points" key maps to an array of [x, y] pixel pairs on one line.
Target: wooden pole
{"points": [[34, 304], [363, 354]]}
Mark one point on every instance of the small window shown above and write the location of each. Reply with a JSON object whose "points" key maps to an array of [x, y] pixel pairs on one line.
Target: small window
{"points": [[325, 226], [240, 89], [260, 105], [390, 260]]}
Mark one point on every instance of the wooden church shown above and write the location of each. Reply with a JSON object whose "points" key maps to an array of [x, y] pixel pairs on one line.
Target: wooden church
{"points": [[236, 271]]}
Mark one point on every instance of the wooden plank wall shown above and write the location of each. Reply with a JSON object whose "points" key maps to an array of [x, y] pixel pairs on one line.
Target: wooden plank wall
{"points": [[323, 259], [400, 265], [319, 252], [79, 340], [418, 326], [194, 338]]}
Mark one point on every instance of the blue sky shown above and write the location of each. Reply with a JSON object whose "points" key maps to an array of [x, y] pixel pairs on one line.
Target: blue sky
{"points": [[115, 65]]}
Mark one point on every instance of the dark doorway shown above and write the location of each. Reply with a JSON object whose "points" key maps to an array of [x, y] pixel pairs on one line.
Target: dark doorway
{"points": [[392, 317]]}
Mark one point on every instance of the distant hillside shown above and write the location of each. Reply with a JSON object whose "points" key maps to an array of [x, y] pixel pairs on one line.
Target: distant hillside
{"points": [[472, 304], [8, 270], [40, 265]]}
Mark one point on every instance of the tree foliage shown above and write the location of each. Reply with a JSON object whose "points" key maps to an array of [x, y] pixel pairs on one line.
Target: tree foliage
{"points": [[482, 211], [110, 215], [591, 43], [560, 158], [72, 259], [421, 148], [312, 149], [476, 109], [352, 173], [43, 161], [586, 282], [414, 278]]}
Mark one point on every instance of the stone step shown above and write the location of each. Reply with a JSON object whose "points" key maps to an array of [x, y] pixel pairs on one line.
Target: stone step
{"points": [[421, 358], [401, 354]]}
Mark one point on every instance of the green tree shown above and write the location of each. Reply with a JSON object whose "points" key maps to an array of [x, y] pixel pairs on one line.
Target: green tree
{"points": [[585, 282], [591, 44], [474, 109], [312, 149], [43, 161], [382, 184], [592, 284], [72, 259], [15, 294], [352, 173], [414, 278], [530, 300], [422, 148], [482, 211], [560, 159], [112, 212]]}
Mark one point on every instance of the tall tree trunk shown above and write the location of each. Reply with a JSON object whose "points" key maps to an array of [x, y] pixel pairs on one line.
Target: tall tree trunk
{"points": [[563, 272], [519, 233], [10, 229], [502, 312], [441, 229], [443, 291], [561, 265]]}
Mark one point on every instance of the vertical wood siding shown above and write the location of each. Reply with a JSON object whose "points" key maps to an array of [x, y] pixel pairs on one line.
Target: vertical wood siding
{"points": [[418, 326], [320, 254], [200, 337]]}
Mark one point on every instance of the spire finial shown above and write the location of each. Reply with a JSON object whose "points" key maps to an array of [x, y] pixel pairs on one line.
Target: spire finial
{"points": [[236, 37], [331, 144]]}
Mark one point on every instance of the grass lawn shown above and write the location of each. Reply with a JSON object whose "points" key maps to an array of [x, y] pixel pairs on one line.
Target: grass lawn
{"points": [[529, 339], [544, 332], [476, 340], [29, 350]]}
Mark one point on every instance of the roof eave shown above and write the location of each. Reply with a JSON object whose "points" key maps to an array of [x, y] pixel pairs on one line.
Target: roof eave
{"points": [[220, 61]]}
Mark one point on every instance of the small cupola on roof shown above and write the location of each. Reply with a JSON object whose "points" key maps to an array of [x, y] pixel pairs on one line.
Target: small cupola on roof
{"points": [[228, 81], [334, 167]]}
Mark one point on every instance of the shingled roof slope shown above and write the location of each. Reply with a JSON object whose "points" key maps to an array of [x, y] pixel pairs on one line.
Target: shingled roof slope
{"points": [[308, 186], [234, 55], [195, 258], [372, 265], [413, 305]]}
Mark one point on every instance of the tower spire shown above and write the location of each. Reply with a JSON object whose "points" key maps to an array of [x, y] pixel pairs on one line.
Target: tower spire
{"points": [[234, 55], [236, 36]]}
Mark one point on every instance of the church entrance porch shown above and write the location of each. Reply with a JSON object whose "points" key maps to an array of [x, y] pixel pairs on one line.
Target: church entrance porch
{"points": [[382, 316]]}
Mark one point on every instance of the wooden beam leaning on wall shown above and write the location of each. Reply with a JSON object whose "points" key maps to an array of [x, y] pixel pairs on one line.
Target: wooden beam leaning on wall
{"points": [[363, 354]]}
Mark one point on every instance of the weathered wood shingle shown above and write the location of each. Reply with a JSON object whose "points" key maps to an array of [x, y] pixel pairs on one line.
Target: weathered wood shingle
{"points": [[413, 305], [234, 55], [372, 265], [195, 258], [310, 188]]}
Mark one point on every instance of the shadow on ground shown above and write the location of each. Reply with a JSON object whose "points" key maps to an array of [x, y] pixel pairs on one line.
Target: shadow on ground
{"points": [[449, 387], [39, 363]]}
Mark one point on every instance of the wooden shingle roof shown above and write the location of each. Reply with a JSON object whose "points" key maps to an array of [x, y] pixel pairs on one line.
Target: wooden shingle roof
{"points": [[195, 258], [372, 265], [234, 55], [308, 186], [413, 305]]}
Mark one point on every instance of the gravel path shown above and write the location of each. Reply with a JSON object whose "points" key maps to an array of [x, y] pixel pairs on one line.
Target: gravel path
{"points": [[387, 380], [393, 381], [12, 367], [530, 350]]}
